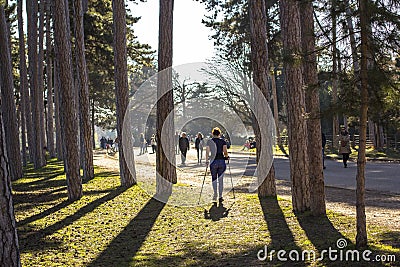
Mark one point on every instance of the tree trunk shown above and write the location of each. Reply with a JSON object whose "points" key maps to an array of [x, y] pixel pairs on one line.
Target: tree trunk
{"points": [[26, 116], [36, 149], [353, 45], [22, 124], [165, 162], [8, 107], [275, 104], [40, 94], [57, 115], [67, 104], [25, 109], [371, 132], [335, 122], [93, 128], [259, 62], [128, 177], [9, 250], [49, 69], [381, 136], [361, 237], [297, 128], [314, 145], [84, 104]]}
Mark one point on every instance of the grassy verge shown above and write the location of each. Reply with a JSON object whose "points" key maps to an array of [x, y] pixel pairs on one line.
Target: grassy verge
{"points": [[113, 226]]}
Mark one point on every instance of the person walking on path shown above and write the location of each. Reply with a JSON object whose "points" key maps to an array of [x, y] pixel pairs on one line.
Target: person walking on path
{"points": [[183, 147], [177, 142], [199, 144], [142, 144], [344, 148], [217, 153], [153, 143]]}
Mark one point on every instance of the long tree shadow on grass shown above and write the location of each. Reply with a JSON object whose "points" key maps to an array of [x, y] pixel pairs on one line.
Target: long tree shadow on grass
{"points": [[55, 208], [124, 247], [281, 235], [34, 240], [391, 238], [195, 254], [324, 236]]}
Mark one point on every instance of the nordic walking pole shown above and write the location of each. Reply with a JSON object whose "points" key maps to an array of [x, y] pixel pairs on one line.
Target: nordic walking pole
{"points": [[201, 191], [230, 173]]}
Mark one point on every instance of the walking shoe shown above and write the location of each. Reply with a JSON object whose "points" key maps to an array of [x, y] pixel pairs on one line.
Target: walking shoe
{"points": [[220, 199], [214, 198]]}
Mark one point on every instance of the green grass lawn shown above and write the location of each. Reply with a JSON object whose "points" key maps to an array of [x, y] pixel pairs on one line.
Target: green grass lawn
{"points": [[113, 226]]}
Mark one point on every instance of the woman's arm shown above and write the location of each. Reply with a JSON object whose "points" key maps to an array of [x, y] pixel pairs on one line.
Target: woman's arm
{"points": [[225, 151]]}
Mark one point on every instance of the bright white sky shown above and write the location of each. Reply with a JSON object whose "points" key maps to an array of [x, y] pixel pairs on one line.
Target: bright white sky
{"points": [[191, 38]]}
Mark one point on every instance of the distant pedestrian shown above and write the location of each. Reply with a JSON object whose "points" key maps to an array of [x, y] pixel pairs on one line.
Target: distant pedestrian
{"points": [[142, 144], [199, 144], [153, 143], [116, 144], [184, 146], [177, 136], [344, 148], [103, 142], [323, 148]]}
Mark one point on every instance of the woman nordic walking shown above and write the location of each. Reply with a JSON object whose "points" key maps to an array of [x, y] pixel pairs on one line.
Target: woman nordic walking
{"points": [[217, 147]]}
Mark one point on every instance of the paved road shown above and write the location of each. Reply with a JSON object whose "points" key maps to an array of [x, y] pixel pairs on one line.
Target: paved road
{"points": [[379, 176]]}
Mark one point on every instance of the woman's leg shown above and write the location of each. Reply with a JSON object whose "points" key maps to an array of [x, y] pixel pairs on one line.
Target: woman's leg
{"points": [[345, 158], [182, 157], [214, 175], [221, 171]]}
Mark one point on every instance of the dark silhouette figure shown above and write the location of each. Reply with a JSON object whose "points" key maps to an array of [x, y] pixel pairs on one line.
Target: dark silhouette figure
{"points": [[183, 147], [216, 212]]}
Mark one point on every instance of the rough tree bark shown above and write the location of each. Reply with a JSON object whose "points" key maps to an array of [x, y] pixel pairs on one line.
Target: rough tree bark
{"points": [[275, 105], [33, 57], [259, 62], [361, 237], [335, 122], [314, 144], [297, 128], [8, 107], [49, 74], [9, 250], [165, 163], [84, 104], [26, 119], [121, 91], [59, 138], [40, 95], [67, 103]]}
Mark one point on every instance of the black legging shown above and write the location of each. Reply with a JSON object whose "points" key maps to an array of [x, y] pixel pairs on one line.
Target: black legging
{"points": [[346, 157]]}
